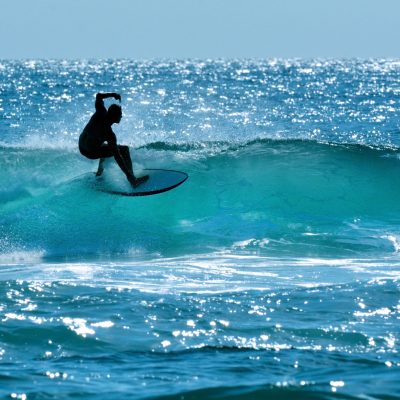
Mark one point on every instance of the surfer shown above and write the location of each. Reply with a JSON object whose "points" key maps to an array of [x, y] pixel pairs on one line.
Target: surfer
{"points": [[98, 141]]}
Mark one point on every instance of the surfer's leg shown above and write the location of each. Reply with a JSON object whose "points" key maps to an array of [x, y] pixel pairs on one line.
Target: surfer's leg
{"points": [[103, 152], [100, 169], [125, 154]]}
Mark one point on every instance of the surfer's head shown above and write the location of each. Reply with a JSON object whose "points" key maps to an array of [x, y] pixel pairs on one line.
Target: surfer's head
{"points": [[114, 113]]}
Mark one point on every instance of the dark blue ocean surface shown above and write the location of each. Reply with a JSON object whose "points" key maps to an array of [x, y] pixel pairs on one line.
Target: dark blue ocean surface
{"points": [[272, 272]]}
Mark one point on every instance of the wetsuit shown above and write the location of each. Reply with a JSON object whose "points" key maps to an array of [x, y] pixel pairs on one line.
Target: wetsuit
{"points": [[92, 141]]}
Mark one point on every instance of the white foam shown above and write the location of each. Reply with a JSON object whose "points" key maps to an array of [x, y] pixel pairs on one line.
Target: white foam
{"points": [[22, 256]]}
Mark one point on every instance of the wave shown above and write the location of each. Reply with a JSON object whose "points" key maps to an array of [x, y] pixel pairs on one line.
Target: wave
{"points": [[232, 145], [282, 391], [265, 196]]}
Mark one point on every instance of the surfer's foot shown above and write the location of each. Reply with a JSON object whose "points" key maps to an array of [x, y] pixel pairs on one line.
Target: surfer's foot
{"points": [[139, 181], [135, 182], [99, 172]]}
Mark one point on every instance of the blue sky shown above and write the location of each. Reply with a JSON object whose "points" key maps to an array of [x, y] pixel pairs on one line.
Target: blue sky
{"points": [[153, 29]]}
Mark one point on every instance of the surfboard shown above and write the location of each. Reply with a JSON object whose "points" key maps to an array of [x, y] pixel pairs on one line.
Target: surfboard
{"points": [[160, 180]]}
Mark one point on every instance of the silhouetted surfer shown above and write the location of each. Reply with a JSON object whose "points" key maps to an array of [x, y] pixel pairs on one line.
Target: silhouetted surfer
{"points": [[98, 141]]}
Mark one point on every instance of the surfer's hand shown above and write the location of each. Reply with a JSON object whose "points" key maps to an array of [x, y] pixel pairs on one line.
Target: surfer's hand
{"points": [[117, 96]]}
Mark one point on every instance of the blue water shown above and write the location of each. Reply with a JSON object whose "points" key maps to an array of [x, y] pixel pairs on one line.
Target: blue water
{"points": [[272, 272]]}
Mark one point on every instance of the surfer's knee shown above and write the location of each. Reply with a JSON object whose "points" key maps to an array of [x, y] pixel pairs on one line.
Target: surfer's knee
{"points": [[123, 149]]}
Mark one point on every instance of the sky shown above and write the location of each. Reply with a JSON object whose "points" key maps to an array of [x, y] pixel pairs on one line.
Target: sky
{"points": [[159, 29]]}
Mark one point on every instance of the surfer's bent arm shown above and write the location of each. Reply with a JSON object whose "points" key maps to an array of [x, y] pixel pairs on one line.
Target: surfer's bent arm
{"points": [[101, 96]]}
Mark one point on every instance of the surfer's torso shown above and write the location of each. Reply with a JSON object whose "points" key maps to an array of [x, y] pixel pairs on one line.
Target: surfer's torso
{"points": [[97, 131]]}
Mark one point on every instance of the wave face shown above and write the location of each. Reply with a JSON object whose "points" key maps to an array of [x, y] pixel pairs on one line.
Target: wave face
{"points": [[272, 272], [265, 197]]}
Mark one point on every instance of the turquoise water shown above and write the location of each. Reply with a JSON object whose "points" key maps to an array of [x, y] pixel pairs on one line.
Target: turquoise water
{"points": [[272, 272]]}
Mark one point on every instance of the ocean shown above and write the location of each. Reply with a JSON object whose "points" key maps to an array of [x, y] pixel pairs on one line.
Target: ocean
{"points": [[272, 272]]}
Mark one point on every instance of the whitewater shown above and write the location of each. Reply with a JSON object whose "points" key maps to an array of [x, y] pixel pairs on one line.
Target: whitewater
{"points": [[273, 271]]}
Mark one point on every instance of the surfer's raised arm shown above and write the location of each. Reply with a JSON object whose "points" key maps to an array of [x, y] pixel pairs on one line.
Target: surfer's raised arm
{"points": [[101, 96]]}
